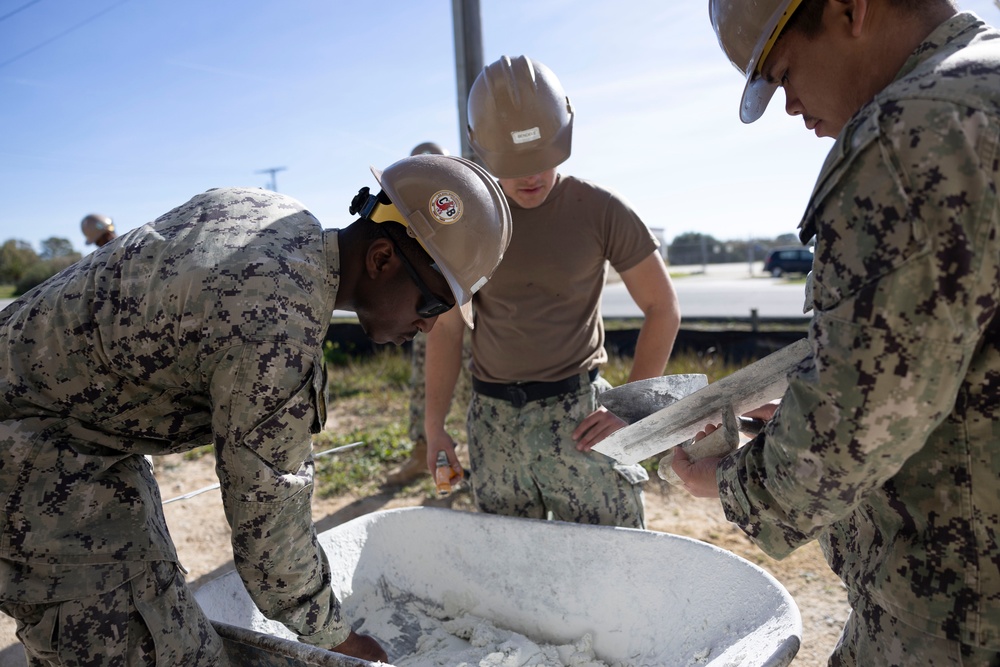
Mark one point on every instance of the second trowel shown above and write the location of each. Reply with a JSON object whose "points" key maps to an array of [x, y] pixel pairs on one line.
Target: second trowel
{"points": [[635, 400]]}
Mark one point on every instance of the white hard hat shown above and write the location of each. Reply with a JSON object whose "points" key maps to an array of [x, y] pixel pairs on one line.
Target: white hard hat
{"points": [[455, 210], [747, 30], [520, 119], [94, 226]]}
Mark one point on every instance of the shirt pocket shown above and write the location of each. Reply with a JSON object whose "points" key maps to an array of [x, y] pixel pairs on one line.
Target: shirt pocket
{"points": [[272, 460], [865, 226]]}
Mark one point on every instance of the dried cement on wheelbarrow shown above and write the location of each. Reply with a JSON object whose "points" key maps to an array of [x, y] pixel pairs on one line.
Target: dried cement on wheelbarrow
{"points": [[475, 642], [419, 633]]}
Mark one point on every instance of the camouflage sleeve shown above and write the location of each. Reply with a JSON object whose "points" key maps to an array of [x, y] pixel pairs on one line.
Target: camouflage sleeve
{"points": [[903, 238], [267, 400]]}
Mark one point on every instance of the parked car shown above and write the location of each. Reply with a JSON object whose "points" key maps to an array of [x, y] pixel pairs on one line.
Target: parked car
{"points": [[780, 261]]}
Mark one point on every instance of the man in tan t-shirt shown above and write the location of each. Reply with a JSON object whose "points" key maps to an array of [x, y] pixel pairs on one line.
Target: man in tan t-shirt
{"points": [[538, 341]]}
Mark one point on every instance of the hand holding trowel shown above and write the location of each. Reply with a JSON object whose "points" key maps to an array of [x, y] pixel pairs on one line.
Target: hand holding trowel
{"points": [[678, 422]]}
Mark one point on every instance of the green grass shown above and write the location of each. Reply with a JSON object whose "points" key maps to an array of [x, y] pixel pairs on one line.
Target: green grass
{"points": [[372, 395], [7, 291], [387, 370], [363, 467]]}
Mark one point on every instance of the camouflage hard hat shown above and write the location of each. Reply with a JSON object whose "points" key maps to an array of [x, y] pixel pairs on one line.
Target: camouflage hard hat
{"points": [[429, 148], [520, 119], [95, 226], [747, 29], [454, 209]]}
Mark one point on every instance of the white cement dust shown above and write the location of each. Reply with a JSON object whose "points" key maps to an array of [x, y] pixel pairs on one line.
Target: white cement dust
{"points": [[469, 641]]}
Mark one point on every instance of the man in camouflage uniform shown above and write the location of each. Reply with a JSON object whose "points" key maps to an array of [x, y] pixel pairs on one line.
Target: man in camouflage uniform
{"points": [[206, 326], [886, 445], [538, 344]]}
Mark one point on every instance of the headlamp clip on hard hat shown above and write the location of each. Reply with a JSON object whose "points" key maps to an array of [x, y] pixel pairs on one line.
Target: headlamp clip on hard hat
{"points": [[377, 208]]}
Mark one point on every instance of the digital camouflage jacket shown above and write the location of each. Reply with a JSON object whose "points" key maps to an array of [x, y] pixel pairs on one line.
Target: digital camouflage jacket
{"points": [[205, 326], [886, 446]]}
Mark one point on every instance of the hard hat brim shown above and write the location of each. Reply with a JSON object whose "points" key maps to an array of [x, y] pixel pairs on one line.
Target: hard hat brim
{"points": [[758, 91], [756, 96]]}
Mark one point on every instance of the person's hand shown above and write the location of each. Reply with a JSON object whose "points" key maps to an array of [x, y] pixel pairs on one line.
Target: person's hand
{"points": [[765, 412], [441, 441], [595, 427], [698, 476], [361, 646]]}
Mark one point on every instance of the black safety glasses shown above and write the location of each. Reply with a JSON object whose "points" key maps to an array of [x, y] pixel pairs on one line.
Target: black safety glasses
{"points": [[431, 305]]}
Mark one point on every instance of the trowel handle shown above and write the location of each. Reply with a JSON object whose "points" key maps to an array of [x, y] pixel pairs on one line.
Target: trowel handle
{"points": [[719, 442]]}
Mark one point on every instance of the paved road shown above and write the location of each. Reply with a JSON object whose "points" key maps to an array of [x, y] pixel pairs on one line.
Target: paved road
{"points": [[721, 290], [716, 290]]}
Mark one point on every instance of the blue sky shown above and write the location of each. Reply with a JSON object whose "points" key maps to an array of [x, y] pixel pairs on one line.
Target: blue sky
{"points": [[130, 107]]}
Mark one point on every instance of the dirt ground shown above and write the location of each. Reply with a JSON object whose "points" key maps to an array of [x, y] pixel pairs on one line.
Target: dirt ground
{"points": [[201, 535]]}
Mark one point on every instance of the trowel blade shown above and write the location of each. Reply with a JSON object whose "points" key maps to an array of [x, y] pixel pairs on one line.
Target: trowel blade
{"points": [[635, 400]]}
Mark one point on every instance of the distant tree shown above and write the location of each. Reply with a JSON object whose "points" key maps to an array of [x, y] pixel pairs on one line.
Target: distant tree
{"points": [[16, 257], [693, 248], [57, 253], [788, 239], [39, 272], [57, 247]]}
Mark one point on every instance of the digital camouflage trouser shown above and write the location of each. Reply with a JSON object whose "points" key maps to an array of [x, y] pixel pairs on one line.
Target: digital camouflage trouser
{"points": [[418, 358], [525, 463], [150, 620], [873, 638]]}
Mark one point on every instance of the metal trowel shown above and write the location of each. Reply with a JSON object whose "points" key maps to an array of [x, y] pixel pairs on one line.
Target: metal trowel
{"points": [[637, 400], [723, 400]]}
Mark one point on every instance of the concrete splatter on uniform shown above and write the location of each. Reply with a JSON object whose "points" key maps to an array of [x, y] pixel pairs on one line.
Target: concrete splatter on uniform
{"points": [[885, 447], [205, 326], [525, 463]]}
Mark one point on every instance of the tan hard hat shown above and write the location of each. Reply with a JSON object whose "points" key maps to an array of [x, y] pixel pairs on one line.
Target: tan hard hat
{"points": [[429, 148], [747, 29], [520, 119], [455, 210], [95, 226]]}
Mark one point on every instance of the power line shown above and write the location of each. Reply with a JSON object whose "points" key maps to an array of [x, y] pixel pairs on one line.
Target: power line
{"points": [[272, 171], [9, 14], [63, 33]]}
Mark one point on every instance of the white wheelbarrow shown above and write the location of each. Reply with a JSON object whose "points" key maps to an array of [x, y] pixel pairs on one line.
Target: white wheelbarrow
{"points": [[637, 597]]}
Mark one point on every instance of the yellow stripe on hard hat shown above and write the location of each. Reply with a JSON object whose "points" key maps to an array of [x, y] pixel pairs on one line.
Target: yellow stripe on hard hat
{"points": [[782, 22], [389, 213]]}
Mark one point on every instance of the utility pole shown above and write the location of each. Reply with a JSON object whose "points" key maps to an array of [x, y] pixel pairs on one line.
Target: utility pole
{"points": [[274, 181], [468, 62]]}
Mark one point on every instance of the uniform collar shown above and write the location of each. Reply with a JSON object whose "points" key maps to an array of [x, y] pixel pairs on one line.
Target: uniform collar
{"points": [[331, 254]]}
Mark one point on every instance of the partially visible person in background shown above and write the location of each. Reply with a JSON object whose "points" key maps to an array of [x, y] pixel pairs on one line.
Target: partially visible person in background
{"points": [[98, 229], [416, 465]]}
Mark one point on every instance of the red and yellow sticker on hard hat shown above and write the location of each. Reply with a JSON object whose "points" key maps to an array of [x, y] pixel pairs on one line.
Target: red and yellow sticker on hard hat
{"points": [[445, 207]]}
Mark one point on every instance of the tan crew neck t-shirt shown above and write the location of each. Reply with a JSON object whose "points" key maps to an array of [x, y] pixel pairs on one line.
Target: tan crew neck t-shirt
{"points": [[538, 318]]}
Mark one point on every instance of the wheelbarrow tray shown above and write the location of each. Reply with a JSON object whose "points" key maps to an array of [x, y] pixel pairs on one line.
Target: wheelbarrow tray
{"points": [[645, 598]]}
